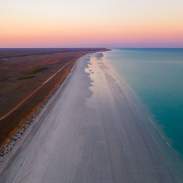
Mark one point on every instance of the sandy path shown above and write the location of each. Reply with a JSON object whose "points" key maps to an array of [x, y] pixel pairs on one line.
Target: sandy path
{"points": [[91, 131]]}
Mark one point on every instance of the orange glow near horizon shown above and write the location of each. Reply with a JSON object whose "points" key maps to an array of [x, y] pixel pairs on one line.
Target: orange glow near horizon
{"points": [[45, 25]]}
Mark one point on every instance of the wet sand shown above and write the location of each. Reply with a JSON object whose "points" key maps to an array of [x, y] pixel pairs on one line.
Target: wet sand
{"points": [[93, 130]]}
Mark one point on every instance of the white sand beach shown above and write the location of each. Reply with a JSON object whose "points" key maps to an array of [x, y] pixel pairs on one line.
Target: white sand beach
{"points": [[93, 130]]}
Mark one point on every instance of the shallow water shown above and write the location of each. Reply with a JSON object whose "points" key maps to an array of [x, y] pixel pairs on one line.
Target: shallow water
{"points": [[156, 77]]}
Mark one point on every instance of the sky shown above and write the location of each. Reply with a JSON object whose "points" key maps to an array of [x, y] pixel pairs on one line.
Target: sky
{"points": [[91, 23]]}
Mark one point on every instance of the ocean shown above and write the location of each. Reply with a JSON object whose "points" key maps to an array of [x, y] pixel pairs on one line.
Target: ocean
{"points": [[156, 76]]}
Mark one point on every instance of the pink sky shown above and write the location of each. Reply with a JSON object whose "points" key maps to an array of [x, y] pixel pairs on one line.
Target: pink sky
{"points": [[84, 23]]}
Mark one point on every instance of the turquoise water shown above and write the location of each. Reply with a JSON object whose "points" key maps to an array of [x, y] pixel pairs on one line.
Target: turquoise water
{"points": [[156, 75]]}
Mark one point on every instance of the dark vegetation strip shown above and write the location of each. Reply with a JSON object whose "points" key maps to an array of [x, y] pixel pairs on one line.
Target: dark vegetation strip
{"points": [[6, 53]]}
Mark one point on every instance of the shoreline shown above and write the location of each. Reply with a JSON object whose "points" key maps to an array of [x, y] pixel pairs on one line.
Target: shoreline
{"points": [[140, 107], [172, 159], [93, 131], [24, 112], [144, 108], [24, 123], [27, 83], [22, 132], [8, 149]]}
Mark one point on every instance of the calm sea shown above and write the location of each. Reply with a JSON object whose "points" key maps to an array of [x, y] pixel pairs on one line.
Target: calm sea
{"points": [[156, 76]]}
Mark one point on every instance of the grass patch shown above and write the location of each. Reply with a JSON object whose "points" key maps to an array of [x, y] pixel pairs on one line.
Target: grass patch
{"points": [[26, 77], [37, 70], [32, 73]]}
